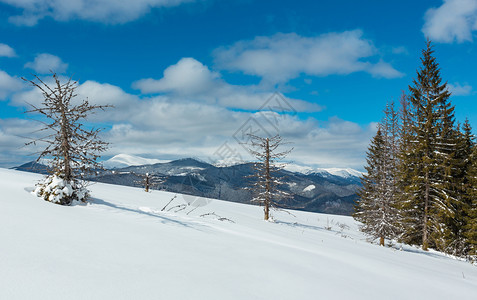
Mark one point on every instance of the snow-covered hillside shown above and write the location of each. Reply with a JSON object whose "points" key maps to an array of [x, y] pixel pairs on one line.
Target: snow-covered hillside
{"points": [[122, 246]]}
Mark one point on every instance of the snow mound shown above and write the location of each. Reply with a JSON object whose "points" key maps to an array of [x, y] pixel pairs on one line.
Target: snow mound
{"points": [[311, 187]]}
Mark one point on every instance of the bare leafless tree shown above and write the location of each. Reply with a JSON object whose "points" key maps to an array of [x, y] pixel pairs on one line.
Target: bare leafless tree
{"points": [[72, 148], [150, 181], [266, 187]]}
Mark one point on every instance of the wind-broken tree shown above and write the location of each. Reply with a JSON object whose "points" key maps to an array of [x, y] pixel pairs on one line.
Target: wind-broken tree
{"points": [[72, 148], [266, 188]]}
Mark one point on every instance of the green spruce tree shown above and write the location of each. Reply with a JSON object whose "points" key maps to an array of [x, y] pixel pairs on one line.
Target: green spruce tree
{"points": [[471, 208], [406, 172], [428, 158], [453, 239]]}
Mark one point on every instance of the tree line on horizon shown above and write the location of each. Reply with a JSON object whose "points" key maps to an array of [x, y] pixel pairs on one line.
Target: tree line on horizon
{"points": [[420, 186]]}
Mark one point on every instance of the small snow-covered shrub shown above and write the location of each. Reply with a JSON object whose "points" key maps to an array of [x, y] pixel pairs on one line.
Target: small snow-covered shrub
{"points": [[57, 190]]}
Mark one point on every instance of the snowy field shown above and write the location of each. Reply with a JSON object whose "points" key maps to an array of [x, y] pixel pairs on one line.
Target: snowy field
{"points": [[122, 246]]}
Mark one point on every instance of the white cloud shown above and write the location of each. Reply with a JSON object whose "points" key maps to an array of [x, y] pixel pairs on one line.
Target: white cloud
{"points": [[189, 80], [45, 63], [32, 95], [454, 20], [187, 77], [383, 69], [104, 94], [6, 51], [8, 85], [14, 133], [399, 50], [103, 11], [335, 143], [96, 93], [459, 90], [282, 57]]}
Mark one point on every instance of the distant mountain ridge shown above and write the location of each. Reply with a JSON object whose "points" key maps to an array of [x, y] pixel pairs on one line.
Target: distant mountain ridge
{"points": [[317, 190], [127, 160]]}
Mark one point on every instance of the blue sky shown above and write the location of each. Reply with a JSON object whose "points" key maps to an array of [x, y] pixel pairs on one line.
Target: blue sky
{"points": [[185, 75]]}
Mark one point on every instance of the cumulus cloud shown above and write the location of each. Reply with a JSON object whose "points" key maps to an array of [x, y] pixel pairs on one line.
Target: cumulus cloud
{"points": [[334, 143], [14, 133], [8, 85], [96, 93], [459, 90], [454, 20], [282, 57], [189, 79], [31, 95], [103, 11], [45, 63], [6, 51], [104, 94]]}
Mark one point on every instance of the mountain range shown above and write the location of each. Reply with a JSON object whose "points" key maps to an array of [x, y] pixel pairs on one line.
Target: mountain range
{"points": [[330, 191]]}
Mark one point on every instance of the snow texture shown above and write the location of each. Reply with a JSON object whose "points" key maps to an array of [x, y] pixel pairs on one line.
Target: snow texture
{"points": [[122, 245]]}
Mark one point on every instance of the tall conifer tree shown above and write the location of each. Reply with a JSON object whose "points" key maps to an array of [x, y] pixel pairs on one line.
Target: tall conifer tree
{"points": [[471, 208], [457, 186], [431, 147], [377, 208], [406, 171]]}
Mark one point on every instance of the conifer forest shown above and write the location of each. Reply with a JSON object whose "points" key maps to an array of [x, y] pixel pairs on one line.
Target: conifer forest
{"points": [[421, 181]]}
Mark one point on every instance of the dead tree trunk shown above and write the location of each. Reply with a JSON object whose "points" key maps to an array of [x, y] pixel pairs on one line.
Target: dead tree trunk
{"points": [[266, 189]]}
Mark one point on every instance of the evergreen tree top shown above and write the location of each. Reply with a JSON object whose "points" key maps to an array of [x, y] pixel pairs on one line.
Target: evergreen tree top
{"points": [[428, 82]]}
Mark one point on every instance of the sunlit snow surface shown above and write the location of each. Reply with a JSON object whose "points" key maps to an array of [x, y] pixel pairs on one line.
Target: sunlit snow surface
{"points": [[122, 246]]}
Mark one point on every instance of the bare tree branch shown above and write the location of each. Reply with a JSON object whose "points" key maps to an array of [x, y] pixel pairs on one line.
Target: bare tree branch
{"points": [[73, 149], [266, 188]]}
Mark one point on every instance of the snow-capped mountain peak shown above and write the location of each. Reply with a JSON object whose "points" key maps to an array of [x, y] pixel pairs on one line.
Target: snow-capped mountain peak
{"points": [[342, 172], [339, 172], [127, 160]]}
